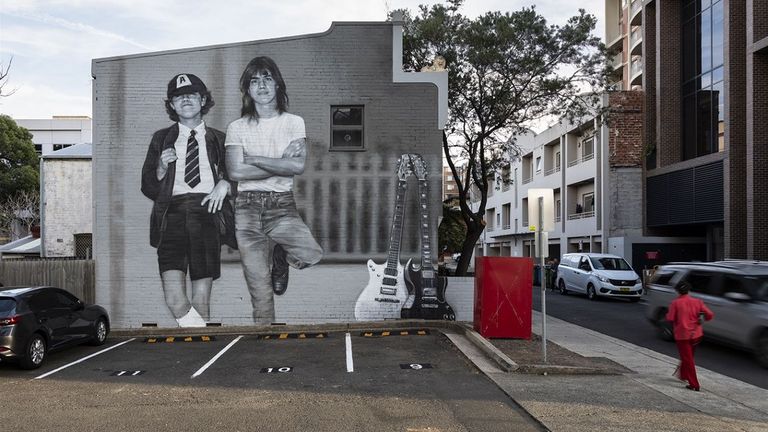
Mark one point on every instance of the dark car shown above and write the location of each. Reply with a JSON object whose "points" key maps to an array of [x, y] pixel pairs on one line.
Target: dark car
{"points": [[736, 291], [37, 320]]}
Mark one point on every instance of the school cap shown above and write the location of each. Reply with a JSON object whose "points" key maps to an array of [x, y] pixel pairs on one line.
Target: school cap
{"points": [[185, 84]]}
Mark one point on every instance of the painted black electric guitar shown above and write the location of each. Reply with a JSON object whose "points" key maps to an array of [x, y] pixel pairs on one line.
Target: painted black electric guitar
{"points": [[426, 288]]}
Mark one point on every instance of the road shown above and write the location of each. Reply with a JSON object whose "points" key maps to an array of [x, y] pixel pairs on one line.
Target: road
{"points": [[624, 320]]}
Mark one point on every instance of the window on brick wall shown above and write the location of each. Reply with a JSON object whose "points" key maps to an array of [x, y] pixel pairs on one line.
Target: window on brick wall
{"points": [[347, 128]]}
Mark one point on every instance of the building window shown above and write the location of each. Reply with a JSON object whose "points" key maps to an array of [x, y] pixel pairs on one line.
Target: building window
{"points": [[449, 187], [589, 201], [588, 148], [347, 131], [538, 164], [61, 146], [557, 161], [703, 57]]}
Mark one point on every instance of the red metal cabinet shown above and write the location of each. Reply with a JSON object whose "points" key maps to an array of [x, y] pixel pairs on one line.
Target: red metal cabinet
{"points": [[503, 297]]}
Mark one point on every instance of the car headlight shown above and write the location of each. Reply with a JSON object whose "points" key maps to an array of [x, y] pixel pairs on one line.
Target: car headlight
{"points": [[603, 279], [638, 281]]}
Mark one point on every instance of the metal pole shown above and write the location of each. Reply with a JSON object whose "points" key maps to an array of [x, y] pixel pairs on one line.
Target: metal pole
{"points": [[543, 281]]}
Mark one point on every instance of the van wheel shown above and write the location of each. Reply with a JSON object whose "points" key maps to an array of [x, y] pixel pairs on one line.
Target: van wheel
{"points": [[561, 286], [35, 353], [591, 294], [664, 327], [761, 349]]}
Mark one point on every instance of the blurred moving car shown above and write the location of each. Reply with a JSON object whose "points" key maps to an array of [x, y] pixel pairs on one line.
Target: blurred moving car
{"points": [[37, 320], [736, 291], [598, 275]]}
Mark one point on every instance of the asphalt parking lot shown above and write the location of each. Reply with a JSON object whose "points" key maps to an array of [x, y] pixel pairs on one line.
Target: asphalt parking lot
{"points": [[356, 381]]}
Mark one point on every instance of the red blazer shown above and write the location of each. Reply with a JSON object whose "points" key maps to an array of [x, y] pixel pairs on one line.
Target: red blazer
{"points": [[684, 315]]}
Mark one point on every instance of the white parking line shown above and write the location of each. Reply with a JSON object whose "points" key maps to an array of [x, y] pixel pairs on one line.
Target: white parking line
{"points": [[83, 359], [216, 357], [350, 365]]}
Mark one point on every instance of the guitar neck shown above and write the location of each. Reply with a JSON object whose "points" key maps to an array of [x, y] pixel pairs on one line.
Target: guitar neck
{"points": [[396, 234], [426, 249]]}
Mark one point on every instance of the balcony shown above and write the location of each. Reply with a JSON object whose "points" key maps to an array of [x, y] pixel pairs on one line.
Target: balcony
{"points": [[584, 158], [506, 226], [636, 13], [582, 215], [528, 180], [636, 72], [636, 41], [551, 171]]}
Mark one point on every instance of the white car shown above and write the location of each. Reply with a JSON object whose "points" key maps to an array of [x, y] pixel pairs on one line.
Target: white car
{"points": [[598, 275]]}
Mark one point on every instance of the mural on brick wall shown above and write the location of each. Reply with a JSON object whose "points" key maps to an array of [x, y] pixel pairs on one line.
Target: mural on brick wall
{"points": [[253, 207]]}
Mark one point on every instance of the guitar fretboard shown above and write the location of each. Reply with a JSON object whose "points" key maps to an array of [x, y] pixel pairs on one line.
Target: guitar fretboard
{"points": [[393, 258], [427, 271]]}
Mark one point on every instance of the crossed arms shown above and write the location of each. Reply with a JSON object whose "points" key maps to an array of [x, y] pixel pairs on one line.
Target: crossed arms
{"points": [[242, 167]]}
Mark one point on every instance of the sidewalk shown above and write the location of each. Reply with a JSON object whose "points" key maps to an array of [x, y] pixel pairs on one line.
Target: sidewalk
{"points": [[648, 398]]}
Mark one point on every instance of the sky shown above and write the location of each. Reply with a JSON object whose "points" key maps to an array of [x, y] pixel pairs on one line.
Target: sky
{"points": [[51, 42]]}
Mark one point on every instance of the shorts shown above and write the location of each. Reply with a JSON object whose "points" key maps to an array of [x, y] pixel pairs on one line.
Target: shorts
{"points": [[190, 240]]}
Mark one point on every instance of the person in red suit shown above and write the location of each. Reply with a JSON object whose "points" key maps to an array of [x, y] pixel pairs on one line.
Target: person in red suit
{"points": [[687, 314]]}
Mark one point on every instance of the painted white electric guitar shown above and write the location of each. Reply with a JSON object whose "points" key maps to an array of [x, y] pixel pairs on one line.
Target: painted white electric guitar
{"points": [[386, 292]]}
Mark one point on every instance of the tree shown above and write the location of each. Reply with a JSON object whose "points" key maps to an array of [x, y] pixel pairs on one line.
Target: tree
{"points": [[4, 79], [19, 213], [506, 71], [452, 231], [19, 166]]}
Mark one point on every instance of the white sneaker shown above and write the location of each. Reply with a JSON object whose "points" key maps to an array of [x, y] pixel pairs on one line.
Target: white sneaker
{"points": [[191, 319]]}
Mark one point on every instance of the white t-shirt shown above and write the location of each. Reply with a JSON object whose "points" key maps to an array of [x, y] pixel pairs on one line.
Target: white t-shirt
{"points": [[269, 137]]}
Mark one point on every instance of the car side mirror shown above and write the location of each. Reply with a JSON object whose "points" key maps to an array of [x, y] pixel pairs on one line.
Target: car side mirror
{"points": [[737, 297]]}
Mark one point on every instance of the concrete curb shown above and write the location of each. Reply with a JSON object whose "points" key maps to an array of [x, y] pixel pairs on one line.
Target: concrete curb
{"points": [[465, 329]]}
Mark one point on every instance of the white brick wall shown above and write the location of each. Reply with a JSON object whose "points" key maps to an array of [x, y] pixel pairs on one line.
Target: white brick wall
{"points": [[67, 206]]}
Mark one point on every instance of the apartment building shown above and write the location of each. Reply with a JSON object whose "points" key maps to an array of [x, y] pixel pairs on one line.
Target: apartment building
{"points": [[450, 190], [58, 132], [595, 170], [624, 39], [706, 101]]}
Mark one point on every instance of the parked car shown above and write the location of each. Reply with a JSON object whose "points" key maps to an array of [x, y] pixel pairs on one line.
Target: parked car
{"points": [[598, 275], [736, 291], [37, 320]]}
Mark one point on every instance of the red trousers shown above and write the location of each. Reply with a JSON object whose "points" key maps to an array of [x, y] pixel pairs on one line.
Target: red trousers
{"points": [[686, 349]]}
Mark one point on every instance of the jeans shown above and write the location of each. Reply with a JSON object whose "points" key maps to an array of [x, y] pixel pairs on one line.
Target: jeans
{"points": [[262, 220]]}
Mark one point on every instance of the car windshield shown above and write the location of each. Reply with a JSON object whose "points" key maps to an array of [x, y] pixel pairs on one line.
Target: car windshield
{"points": [[609, 264], [7, 307]]}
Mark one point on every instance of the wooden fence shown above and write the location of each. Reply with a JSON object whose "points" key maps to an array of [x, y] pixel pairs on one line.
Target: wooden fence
{"points": [[75, 276]]}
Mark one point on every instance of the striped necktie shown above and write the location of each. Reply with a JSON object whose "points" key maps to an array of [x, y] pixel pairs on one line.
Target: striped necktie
{"points": [[192, 171]]}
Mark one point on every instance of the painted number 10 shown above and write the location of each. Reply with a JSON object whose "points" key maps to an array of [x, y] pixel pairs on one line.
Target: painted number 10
{"points": [[284, 369]]}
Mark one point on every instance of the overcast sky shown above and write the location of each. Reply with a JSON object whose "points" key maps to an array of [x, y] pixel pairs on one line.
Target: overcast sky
{"points": [[52, 42]]}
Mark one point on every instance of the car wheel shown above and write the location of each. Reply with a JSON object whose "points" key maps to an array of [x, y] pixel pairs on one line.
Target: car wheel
{"points": [[100, 331], [664, 327], [591, 294], [561, 286], [761, 350], [34, 355]]}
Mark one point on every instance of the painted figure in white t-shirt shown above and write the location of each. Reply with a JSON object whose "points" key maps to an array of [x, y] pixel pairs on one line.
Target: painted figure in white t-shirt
{"points": [[265, 149]]}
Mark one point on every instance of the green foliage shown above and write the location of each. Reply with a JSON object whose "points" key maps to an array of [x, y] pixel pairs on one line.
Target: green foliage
{"points": [[452, 230], [19, 166], [506, 71]]}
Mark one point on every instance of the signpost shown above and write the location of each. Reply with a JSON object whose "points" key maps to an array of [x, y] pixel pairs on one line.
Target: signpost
{"points": [[541, 209]]}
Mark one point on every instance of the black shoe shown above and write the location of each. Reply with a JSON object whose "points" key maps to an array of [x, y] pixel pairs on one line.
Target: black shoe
{"points": [[279, 270], [690, 387]]}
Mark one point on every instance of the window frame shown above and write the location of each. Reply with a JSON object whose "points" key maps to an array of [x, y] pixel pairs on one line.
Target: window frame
{"points": [[335, 128]]}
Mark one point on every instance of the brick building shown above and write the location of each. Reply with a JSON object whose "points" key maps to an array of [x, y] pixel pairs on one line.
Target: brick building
{"points": [[346, 194], [706, 106]]}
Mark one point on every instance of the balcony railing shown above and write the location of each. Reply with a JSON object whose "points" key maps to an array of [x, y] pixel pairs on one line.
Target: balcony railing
{"points": [[506, 226], [584, 158], [525, 223], [582, 215], [528, 180], [551, 171], [635, 36], [637, 67], [636, 6], [558, 218]]}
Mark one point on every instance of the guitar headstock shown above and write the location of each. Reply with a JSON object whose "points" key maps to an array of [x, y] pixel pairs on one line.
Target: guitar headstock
{"points": [[404, 169], [419, 166]]}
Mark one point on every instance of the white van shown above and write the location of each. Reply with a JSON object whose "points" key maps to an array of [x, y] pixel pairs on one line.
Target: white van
{"points": [[598, 275]]}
